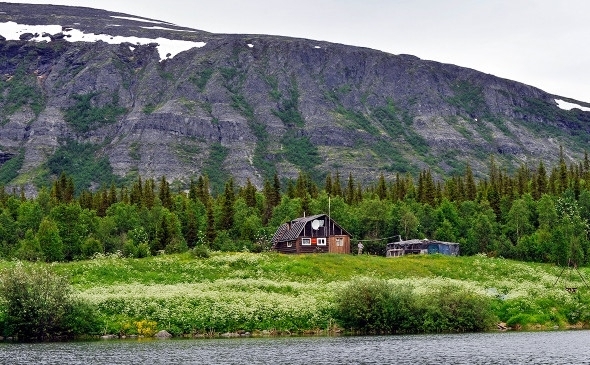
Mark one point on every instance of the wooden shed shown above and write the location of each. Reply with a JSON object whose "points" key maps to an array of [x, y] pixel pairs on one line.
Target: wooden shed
{"points": [[316, 233], [421, 247]]}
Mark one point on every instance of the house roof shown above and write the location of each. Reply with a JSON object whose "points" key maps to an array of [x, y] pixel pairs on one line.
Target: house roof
{"points": [[284, 233]]}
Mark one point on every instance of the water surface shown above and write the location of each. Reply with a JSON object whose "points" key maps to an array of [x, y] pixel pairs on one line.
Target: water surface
{"points": [[558, 347]]}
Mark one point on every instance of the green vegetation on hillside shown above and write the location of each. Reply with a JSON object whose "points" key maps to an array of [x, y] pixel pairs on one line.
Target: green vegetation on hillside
{"points": [[79, 160], [214, 167], [9, 170], [534, 215], [18, 90], [319, 293], [84, 116]]}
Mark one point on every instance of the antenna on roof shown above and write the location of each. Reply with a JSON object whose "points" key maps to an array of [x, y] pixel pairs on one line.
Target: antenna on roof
{"points": [[315, 224]]}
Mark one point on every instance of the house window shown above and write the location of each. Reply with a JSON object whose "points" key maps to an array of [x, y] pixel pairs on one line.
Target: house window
{"points": [[306, 241], [289, 244], [321, 241], [339, 241]]}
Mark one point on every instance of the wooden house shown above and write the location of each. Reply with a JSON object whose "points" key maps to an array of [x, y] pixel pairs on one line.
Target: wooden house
{"points": [[316, 233]]}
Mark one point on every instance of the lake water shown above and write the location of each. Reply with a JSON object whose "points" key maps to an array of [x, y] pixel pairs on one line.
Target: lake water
{"points": [[558, 347]]}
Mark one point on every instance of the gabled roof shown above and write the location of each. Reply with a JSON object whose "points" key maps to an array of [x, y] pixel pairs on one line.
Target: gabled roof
{"points": [[284, 233]]}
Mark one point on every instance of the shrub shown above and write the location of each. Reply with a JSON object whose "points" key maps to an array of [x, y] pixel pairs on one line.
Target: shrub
{"points": [[40, 305], [91, 246], [200, 251], [376, 306], [453, 309]]}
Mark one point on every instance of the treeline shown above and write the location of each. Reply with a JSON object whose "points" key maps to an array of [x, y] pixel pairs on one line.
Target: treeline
{"points": [[535, 214]]}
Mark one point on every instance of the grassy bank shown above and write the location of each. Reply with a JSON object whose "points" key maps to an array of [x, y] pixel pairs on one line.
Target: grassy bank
{"points": [[272, 292]]}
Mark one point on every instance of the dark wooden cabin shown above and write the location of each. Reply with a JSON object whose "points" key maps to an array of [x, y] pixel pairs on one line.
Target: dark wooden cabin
{"points": [[316, 233]]}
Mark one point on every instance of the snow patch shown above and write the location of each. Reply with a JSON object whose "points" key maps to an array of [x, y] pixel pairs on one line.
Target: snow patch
{"points": [[12, 31], [569, 106], [317, 47], [167, 48], [131, 48], [250, 45], [138, 19], [174, 30]]}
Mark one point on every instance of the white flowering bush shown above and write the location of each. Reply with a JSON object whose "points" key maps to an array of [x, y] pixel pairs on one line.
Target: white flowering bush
{"points": [[223, 305]]}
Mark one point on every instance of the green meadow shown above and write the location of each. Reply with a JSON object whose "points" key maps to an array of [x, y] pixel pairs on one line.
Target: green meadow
{"points": [[274, 293]]}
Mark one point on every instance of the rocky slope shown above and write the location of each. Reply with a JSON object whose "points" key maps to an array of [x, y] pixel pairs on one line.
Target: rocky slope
{"points": [[108, 93]]}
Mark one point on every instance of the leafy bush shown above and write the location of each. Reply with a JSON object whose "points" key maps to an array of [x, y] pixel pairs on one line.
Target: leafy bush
{"points": [[453, 309], [200, 251], [376, 306], [40, 305]]}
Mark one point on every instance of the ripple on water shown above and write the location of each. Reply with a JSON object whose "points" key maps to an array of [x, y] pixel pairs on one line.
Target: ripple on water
{"points": [[559, 347]]}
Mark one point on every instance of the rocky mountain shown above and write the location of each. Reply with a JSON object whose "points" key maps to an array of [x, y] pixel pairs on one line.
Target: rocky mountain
{"points": [[108, 96]]}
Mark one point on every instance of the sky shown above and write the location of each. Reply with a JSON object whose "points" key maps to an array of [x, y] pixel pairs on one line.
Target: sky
{"points": [[544, 43]]}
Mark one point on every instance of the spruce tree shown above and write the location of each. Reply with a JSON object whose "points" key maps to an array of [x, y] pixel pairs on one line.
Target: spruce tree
{"points": [[328, 185], [227, 210], [164, 194], [470, 187], [349, 196], [381, 188]]}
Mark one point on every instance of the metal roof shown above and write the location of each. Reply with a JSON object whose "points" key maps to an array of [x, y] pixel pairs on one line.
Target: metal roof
{"points": [[285, 234]]}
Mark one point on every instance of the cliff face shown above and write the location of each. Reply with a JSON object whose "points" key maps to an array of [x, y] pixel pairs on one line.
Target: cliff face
{"points": [[249, 105]]}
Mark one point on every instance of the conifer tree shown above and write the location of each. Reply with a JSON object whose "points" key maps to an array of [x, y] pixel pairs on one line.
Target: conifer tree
{"points": [[470, 187], [563, 174], [541, 181], [227, 210], [250, 194], [328, 185], [136, 196], [192, 228], [336, 186], [349, 196], [276, 186], [149, 196], [202, 189], [210, 233], [164, 194], [192, 191], [381, 188], [112, 194]]}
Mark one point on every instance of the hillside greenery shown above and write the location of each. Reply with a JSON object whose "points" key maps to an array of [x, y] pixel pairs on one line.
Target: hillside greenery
{"points": [[534, 214], [144, 256], [288, 294], [85, 116]]}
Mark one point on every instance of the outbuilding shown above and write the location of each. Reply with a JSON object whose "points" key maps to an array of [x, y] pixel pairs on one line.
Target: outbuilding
{"points": [[421, 247], [316, 233]]}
